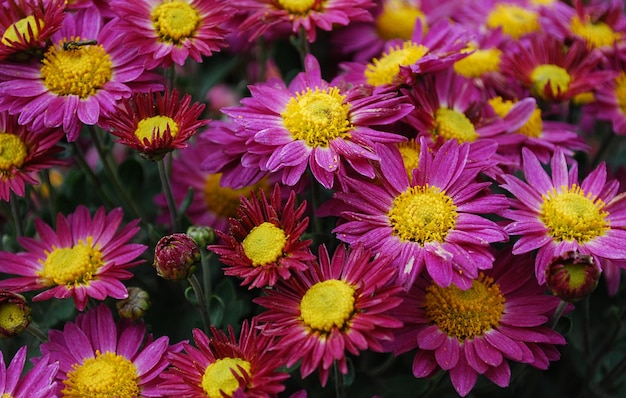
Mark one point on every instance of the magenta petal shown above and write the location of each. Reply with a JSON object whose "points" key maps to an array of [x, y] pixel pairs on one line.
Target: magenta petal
{"points": [[430, 338], [448, 354], [463, 378]]}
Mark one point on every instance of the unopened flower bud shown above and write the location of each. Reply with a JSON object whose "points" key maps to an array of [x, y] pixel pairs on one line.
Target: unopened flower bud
{"points": [[14, 313], [572, 276], [203, 235], [135, 306], [175, 256]]}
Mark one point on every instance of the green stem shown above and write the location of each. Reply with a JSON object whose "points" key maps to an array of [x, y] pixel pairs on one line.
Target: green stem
{"points": [[204, 311], [205, 257], [301, 44], [340, 388], [167, 190], [15, 214], [36, 332], [558, 313], [52, 194]]}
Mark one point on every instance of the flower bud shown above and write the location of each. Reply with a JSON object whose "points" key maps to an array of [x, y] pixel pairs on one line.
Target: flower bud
{"points": [[203, 235], [135, 306], [14, 313], [572, 276], [175, 256]]}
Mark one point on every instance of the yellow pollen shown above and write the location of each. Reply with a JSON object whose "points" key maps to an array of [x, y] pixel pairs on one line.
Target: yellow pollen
{"points": [[478, 63], [107, 375], [70, 266], [174, 21], [620, 91], [452, 124], [570, 214], [533, 126], [596, 35], [514, 20], [549, 75], [224, 201], [9, 37], [264, 244], [422, 214], [156, 125], [465, 314], [328, 305], [13, 317], [410, 152], [397, 20], [318, 117], [80, 72], [218, 376], [301, 7], [584, 98], [385, 69], [13, 152]]}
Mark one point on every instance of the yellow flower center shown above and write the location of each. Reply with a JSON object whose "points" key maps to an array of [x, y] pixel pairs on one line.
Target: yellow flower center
{"points": [[13, 317], [6, 395], [81, 71], [422, 214], [107, 375], [264, 244], [620, 91], [514, 20], [301, 7], [74, 265], [317, 117], [397, 20], [384, 70], [328, 305], [218, 376], [224, 201], [533, 126], [478, 63], [22, 27], [410, 152], [13, 152], [465, 314], [175, 21], [573, 215], [597, 34], [156, 125], [452, 124], [554, 76]]}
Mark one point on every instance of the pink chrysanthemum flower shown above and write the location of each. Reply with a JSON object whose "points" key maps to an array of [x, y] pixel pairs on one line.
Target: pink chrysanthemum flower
{"points": [[335, 307], [478, 331], [558, 214], [24, 153], [83, 258], [431, 220], [224, 367], [154, 124], [263, 244], [99, 358], [25, 26], [314, 123], [276, 16], [56, 91], [610, 102], [38, 382], [173, 31]]}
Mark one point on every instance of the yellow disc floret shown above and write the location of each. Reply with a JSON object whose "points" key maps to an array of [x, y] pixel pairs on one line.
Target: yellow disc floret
{"points": [[452, 124], [570, 214], [422, 214], [218, 377], [596, 35], [82, 71], [156, 125], [22, 26], [298, 7], [104, 376], [533, 126], [465, 314], [224, 201], [70, 266], [397, 20], [479, 62], [318, 117], [620, 91], [264, 244], [552, 76], [514, 20], [410, 152], [13, 152], [328, 305], [174, 21], [385, 69]]}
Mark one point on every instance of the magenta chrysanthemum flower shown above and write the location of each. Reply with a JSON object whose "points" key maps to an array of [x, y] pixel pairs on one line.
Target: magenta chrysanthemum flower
{"points": [[288, 15], [224, 367], [38, 382], [476, 331], [558, 214], [83, 258], [334, 307], [610, 102], [56, 91], [263, 244], [99, 358], [314, 123], [24, 152], [432, 219], [173, 31]]}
